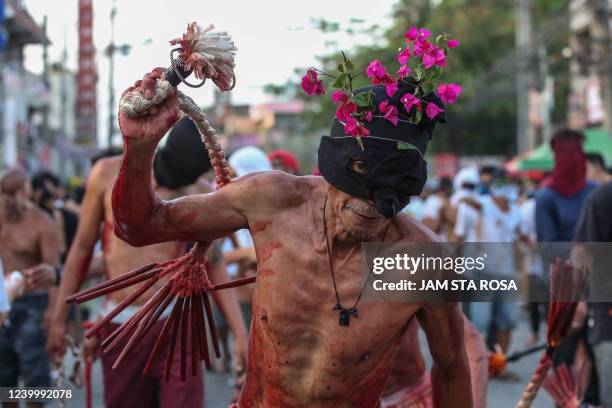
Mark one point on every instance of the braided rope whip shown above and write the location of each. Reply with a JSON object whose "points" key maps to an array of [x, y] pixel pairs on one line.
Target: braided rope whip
{"points": [[134, 103], [207, 54], [566, 286]]}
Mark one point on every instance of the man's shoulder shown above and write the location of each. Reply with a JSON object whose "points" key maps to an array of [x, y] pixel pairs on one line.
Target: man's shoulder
{"points": [[37, 217], [278, 185], [105, 171], [412, 230]]}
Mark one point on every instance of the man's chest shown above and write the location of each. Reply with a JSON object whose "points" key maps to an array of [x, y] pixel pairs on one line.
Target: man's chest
{"points": [[299, 298], [18, 239]]}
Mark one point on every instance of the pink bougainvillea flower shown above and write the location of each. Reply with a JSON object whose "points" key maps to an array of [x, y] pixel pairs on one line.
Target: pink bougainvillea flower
{"points": [[434, 56], [389, 111], [403, 71], [355, 128], [350, 126], [453, 43], [345, 111], [414, 34], [368, 116], [376, 71], [404, 56], [421, 47], [362, 130], [338, 96], [391, 85], [448, 93], [432, 110], [409, 100], [311, 83]]}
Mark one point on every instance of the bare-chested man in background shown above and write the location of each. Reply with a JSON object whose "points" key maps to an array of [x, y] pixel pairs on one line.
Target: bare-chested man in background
{"points": [[178, 166], [308, 347], [28, 238]]}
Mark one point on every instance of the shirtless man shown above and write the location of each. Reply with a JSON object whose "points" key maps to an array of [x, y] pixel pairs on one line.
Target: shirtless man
{"points": [[178, 165], [299, 354], [27, 239]]}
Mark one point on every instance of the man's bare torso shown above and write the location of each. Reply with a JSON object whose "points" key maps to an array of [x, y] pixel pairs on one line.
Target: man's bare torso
{"points": [[20, 242], [299, 355], [120, 257]]}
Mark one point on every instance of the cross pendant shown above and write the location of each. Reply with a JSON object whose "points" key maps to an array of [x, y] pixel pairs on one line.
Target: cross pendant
{"points": [[345, 314]]}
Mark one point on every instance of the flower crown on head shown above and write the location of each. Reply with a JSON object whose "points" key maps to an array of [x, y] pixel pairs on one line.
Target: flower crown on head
{"points": [[421, 63]]}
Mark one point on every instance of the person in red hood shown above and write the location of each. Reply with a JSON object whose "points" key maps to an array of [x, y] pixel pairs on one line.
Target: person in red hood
{"points": [[285, 161], [558, 207]]}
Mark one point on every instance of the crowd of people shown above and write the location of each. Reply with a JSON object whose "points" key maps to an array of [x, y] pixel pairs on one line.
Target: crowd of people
{"points": [[54, 241], [571, 204]]}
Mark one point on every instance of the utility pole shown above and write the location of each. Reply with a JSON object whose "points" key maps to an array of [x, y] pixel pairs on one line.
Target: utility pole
{"points": [[63, 102], [602, 55], [524, 45], [3, 43], [45, 112], [547, 90], [111, 77]]}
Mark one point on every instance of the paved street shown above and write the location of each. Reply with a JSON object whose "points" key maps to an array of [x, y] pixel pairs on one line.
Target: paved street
{"points": [[500, 395]]}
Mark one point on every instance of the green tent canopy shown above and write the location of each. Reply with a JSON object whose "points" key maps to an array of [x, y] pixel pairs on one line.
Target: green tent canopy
{"points": [[541, 158]]}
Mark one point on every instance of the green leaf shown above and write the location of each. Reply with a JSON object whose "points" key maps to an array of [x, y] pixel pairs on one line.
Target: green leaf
{"points": [[437, 72], [349, 66], [363, 100], [405, 146], [427, 87], [341, 67], [417, 116], [418, 73], [340, 81]]}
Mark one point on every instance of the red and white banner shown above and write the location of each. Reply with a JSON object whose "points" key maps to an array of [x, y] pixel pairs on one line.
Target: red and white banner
{"points": [[86, 122]]}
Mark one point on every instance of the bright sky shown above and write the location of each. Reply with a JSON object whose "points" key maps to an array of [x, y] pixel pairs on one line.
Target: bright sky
{"points": [[273, 37]]}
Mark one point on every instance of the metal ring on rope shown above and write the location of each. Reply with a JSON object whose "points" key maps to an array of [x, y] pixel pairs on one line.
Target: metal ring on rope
{"points": [[178, 74]]}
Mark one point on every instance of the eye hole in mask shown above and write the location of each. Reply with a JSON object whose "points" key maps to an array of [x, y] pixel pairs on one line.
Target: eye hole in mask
{"points": [[358, 165]]}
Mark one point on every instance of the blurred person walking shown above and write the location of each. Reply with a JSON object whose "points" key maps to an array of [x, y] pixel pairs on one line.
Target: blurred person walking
{"points": [[46, 193], [177, 166], [532, 264], [596, 168], [595, 225], [437, 211], [493, 219], [558, 207], [28, 238], [284, 160]]}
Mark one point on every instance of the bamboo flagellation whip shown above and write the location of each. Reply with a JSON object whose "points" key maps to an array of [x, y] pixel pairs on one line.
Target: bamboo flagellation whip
{"points": [[208, 55], [566, 286]]}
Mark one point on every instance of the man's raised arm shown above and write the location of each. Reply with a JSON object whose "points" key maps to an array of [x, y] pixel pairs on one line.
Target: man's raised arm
{"points": [[140, 216], [450, 373]]}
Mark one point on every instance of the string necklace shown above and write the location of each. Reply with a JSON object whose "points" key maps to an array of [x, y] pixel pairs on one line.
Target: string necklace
{"points": [[345, 313]]}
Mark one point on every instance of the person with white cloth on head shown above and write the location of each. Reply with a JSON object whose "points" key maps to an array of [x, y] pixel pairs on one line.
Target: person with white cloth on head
{"points": [[241, 260]]}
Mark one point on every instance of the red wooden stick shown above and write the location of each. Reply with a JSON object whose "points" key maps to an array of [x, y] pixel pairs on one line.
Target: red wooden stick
{"points": [[235, 283], [126, 327], [211, 323], [202, 331], [125, 303], [155, 316], [162, 336], [138, 333], [116, 287], [194, 336], [184, 322], [175, 330], [111, 282]]}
